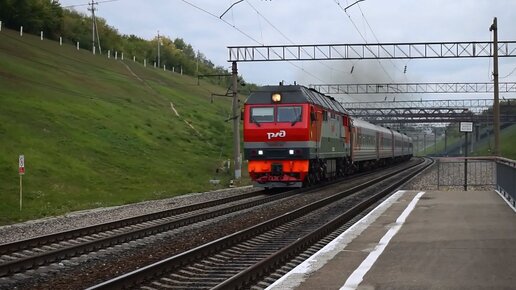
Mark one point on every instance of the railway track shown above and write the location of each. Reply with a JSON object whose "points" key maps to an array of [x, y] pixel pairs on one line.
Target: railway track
{"points": [[243, 258], [27, 254], [20, 256]]}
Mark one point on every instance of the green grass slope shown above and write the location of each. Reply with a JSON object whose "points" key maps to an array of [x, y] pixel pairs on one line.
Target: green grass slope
{"points": [[98, 132], [507, 144], [484, 147], [438, 148]]}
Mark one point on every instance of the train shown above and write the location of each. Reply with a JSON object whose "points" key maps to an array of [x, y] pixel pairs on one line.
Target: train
{"points": [[295, 136]]}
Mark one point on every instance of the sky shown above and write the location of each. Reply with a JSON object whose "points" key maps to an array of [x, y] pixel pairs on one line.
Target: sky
{"points": [[283, 22]]}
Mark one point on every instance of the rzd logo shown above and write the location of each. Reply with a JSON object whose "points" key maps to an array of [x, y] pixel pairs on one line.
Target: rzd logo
{"points": [[280, 134]]}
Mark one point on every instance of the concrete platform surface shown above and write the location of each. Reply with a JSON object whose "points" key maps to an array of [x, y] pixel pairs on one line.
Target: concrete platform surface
{"points": [[419, 240]]}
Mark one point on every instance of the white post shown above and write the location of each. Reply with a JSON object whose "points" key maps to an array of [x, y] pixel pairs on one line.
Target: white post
{"points": [[21, 30], [116, 54], [21, 192], [0, 25], [164, 67], [60, 41], [21, 171], [134, 58], [173, 69], [181, 70], [94, 49], [154, 64], [122, 56], [41, 35], [109, 53], [77, 45], [144, 62]]}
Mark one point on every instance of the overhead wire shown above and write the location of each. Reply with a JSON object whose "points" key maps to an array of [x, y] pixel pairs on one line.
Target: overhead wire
{"points": [[249, 36], [260, 26], [269, 22], [374, 34], [78, 5], [283, 34], [244, 33], [289, 40], [504, 77], [378, 41], [362, 36], [232, 25], [233, 12]]}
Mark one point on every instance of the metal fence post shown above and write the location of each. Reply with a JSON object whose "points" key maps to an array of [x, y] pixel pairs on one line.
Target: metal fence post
{"points": [[438, 172], [512, 177], [466, 162]]}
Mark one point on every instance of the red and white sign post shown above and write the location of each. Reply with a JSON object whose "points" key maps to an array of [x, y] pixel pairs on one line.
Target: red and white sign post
{"points": [[21, 171]]}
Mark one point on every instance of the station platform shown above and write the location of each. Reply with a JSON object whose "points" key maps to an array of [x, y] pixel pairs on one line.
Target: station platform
{"points": [[419, 240]]}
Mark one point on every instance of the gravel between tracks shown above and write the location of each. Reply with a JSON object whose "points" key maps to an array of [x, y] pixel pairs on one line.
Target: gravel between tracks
{"points": [[427, 180], [128, 257], [34, 228], [10, 233], [98, 269]]}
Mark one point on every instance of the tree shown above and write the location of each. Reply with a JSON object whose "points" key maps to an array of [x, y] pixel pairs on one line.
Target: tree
{"points": [[33, 15]]}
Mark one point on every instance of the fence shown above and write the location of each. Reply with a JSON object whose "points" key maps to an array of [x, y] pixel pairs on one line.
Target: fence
{"points": [[485, 172], [109, 53], [464, 172], [506, 179]]}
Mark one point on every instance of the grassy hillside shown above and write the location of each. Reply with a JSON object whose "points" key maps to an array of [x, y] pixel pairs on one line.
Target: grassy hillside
{"points": [[483, 147], [439, 147], [98, 132], [507, 144]]}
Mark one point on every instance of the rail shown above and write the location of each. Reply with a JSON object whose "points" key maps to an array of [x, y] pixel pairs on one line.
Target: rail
{"points": [[243, 278]]}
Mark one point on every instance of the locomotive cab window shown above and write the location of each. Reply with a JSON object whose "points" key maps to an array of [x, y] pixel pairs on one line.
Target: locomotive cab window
{"points": [[325, 116], [262, 114], [289, 114]]}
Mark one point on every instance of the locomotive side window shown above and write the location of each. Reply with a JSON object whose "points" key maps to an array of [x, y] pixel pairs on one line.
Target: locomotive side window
{"points": [[262, 114], [325, 116], [289, 114]]}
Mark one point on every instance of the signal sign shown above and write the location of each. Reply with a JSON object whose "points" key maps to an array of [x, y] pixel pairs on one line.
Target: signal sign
{"points": [[21, 167], [466, 127]]}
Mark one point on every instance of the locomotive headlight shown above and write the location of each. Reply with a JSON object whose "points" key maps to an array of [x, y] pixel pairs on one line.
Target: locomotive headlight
{"points": [[260, 152], [276, 97], [291, 151]]}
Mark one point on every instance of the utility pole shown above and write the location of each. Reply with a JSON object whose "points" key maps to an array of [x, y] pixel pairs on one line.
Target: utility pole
{"points": [[92, 9], [159, 44], [496, 103], [236, 122]]}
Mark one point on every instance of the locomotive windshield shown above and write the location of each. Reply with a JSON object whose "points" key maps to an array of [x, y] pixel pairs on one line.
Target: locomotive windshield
{"points": [[262, 114], [290, 114]]}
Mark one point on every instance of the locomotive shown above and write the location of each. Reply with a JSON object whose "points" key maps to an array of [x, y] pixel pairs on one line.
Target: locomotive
{"points": [[295, 136]]}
